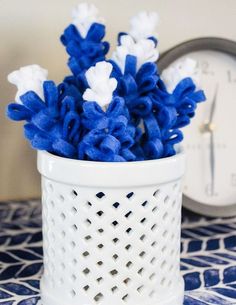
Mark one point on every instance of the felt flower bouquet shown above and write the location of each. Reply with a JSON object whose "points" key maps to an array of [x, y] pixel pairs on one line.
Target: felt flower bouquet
{"points": [[111, 231], [118, 109]]}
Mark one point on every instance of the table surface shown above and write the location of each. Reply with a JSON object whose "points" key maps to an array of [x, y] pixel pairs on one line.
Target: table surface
{"points": [[208, 259]]}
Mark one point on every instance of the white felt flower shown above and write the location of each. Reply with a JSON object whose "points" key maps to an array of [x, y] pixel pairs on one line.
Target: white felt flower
{"points": [[84, 15], [28, 78], [144, 25], [101, 85], [178, 71], [144, 49]]}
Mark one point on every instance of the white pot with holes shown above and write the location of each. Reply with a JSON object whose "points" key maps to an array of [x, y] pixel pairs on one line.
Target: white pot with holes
{"points": [[111, 231]]}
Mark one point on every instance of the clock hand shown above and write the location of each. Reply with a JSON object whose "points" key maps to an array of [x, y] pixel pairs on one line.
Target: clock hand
{"points": [[213, 106], [212, 162], [212, 146], [207, 127]]}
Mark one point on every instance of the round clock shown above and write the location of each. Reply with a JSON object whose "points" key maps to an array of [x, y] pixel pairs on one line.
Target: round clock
{"points": [[210, 141]]}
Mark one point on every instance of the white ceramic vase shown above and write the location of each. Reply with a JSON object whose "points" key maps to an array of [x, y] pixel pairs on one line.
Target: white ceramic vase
{"points": [[111, 231]]}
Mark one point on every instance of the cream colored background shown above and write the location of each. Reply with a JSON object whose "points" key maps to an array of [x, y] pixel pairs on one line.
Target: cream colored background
{"points": [[29, 32]]}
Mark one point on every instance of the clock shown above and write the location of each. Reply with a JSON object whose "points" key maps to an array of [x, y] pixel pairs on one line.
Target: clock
{"points": [[210, 140]]}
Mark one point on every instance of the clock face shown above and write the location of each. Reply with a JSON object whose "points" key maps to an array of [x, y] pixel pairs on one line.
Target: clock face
{"points": [[210, 141]]}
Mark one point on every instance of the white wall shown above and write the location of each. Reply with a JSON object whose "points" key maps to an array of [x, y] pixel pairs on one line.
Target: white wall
{"points": [[29, 32]]}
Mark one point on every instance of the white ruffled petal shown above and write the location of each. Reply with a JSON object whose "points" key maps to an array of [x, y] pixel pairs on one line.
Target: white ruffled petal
{"points": [[144, 49], [101, 85], [28, 78], [89, 95], [178, 71], [84, 15], [144, 25]]}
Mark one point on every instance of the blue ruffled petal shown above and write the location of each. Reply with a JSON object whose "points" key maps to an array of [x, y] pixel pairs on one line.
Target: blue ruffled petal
{"points": [[17, 112], [64, 149], [141, 106], [32, 101], [152, 128], [43, 121], [128, 86], [116, 107], [96, 32], [71, 33], [153, 149], [71, 126], [42, 142], [130, 65], [30, 131], [51, 95]]}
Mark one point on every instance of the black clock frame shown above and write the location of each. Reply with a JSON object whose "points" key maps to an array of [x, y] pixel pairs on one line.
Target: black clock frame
{"points": [[198, 44], [167, 58]]}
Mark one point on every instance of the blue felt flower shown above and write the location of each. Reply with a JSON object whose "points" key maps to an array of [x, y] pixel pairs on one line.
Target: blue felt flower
{"points": [[118, 110], [53, 124], [186, 98], [112, 124], [84, 51], [114, 119], [133, 83], [99, 145], [174, 111], [135, 87]]}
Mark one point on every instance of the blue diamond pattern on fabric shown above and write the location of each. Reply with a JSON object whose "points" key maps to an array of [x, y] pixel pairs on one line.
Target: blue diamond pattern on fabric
{"points": [[208, 259]]}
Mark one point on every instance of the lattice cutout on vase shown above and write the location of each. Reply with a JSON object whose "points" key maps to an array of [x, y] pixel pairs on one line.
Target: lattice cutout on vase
{"points": [[119, 246]]}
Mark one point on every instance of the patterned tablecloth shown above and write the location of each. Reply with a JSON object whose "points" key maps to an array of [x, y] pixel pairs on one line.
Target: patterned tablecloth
{"points": [[208, 260]]}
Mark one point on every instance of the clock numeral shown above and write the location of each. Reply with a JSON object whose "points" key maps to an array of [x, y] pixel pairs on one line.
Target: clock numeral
{"points": [[233, 180], [204, 66]]}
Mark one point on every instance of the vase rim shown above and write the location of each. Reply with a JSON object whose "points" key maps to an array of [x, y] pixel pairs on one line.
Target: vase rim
{"points": [[111, 174], [179, 152]]}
